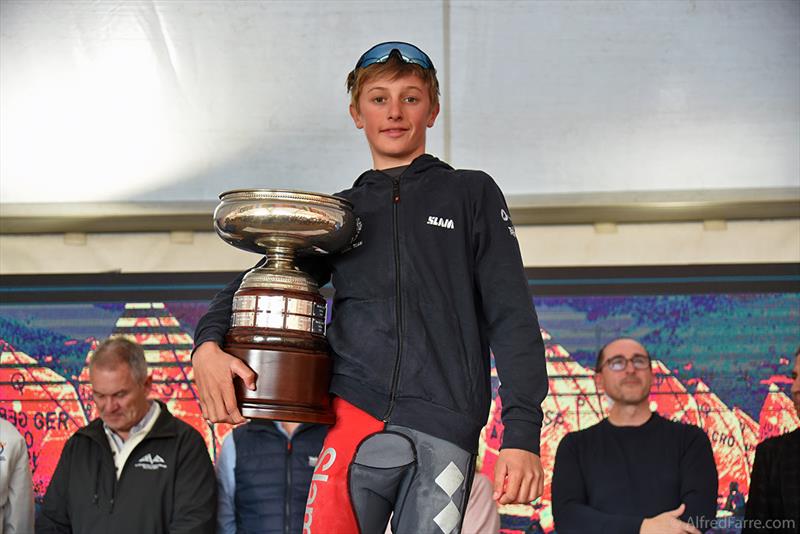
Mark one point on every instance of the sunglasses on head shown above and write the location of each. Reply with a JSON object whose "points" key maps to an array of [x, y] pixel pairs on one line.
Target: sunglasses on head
{"points": [[380, 54]]}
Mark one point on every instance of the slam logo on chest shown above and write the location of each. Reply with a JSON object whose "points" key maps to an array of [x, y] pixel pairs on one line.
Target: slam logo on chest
{"points": [[441, 221]]}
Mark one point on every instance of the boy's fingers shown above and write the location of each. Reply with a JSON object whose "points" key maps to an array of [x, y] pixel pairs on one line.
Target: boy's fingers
{"points": [[214, 407], [512, 488], [535, 489], [243, 371], [499, 479], [230, 408], [524, 493], [540, 486], [203, 409]]}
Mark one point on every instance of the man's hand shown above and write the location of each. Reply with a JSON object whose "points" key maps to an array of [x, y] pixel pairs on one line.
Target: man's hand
{"points": [[214, 370], [668, 523], [518, 477]]}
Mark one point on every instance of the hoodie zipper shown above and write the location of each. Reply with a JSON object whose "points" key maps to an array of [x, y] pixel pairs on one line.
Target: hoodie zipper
{"points": [[288, 495], [398, 298]]}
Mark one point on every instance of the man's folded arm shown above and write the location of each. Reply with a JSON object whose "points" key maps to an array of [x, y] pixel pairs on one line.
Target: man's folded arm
{"points": [[571, 512], [699, 480]]}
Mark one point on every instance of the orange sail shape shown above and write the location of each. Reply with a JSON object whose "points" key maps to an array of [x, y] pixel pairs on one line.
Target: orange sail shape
{"points": [[727, 442], [670, 399], [778, 415], [572, 404], [43, 406], [750, 431]]}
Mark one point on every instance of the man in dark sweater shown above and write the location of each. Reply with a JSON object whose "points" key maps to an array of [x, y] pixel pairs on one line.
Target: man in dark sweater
{"points": [[774, 501], [634, 472]]}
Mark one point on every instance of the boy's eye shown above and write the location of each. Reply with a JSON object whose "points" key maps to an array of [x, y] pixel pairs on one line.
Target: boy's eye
{"points": [[379, 100], [412, 99]]}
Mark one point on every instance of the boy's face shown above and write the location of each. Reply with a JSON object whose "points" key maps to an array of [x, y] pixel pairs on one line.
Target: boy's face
{"points": [[394, 115]]}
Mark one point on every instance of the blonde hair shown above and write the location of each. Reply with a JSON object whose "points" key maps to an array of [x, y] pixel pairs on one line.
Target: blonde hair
{"points": [[393, 68]]}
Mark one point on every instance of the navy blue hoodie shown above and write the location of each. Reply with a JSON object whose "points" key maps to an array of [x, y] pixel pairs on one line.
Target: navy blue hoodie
{"points": [[433, 279]]}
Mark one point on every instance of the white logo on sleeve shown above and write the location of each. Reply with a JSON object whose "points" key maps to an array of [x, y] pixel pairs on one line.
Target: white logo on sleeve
{"points": [[441, 222], [151, 462], [506, 218]]}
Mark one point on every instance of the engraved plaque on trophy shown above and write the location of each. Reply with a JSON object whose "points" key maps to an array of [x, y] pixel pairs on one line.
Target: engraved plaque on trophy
{"points": [[278, 320]]}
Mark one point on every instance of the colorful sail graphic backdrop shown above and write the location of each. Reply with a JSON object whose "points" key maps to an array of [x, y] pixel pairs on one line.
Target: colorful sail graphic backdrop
{"points": [[718, 361]]}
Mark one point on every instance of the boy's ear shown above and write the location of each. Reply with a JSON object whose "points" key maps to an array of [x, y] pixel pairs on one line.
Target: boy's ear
{"points": [[356, 117], [434, 114]]}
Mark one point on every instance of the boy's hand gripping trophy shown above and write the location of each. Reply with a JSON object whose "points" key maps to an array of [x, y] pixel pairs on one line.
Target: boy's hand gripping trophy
{"points": [[278, 321]]}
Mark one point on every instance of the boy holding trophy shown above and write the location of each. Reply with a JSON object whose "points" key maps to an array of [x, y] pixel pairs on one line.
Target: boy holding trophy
{"points": [[434, 279]]}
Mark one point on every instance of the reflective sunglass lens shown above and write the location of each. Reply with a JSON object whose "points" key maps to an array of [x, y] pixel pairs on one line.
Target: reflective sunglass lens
{"points": [[381, 52]]}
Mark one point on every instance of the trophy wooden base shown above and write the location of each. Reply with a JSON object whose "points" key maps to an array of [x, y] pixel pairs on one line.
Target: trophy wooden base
{"points": [[292, 385]]}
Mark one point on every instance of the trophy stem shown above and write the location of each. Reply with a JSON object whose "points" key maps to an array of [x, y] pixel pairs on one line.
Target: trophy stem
{"points": [[280, 259]]}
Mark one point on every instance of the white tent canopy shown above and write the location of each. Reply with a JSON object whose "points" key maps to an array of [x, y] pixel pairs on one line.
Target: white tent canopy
{"points": [[179, 100]]}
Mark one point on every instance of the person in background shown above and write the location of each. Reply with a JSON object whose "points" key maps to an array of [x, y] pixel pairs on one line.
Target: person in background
{"points": [[134, 469], [633, 472], [775, 481], [481, 516], [263, 474], [16, 486], [734, 503]]}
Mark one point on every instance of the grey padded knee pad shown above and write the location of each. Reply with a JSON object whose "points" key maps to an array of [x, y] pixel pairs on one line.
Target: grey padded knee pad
{"points": [[381, 463], [433, 499], [424, 479]]}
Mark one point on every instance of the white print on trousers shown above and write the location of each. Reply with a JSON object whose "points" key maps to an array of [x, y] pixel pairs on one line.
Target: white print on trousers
{"points": [[324, 463]]}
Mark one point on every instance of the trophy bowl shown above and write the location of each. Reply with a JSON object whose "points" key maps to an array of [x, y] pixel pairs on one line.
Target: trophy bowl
{"points": [[258, 219], [278, 319]]}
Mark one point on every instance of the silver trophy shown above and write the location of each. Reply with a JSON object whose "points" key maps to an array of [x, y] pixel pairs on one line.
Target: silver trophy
{"points": [[278, 321]]}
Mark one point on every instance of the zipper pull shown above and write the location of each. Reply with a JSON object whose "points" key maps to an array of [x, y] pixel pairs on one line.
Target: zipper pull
{"points": [[288, 446], [396, 191]]}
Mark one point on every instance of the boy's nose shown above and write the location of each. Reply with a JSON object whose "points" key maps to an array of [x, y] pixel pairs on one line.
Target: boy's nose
{"points": [[395, 111]]}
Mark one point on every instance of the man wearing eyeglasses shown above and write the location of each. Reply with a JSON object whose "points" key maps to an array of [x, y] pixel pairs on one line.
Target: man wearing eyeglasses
{"points": [[634, 472]]}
